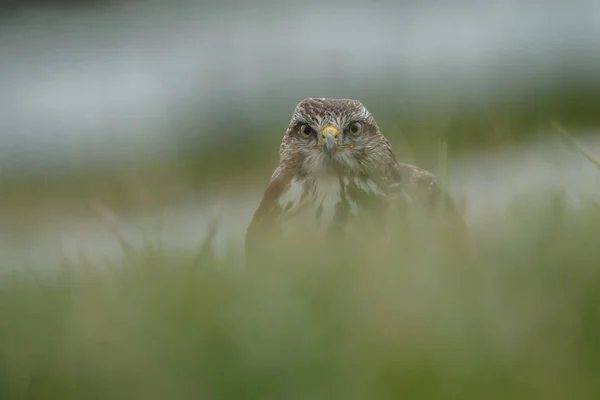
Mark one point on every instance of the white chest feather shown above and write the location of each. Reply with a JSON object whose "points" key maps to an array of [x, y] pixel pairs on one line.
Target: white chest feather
{"points": [[315, 198], [318, 202]]}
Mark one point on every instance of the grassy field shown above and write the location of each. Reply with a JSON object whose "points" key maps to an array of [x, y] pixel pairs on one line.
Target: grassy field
{"points": [[514, 314], [518, 316], [122, 121]]}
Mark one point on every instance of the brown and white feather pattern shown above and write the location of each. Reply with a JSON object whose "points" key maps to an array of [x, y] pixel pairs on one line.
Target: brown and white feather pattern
{"points": [[359, 185]]}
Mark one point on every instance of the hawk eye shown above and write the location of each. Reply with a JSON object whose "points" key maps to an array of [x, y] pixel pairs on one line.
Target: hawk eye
{"points": [[355, 128], [305, 131]]}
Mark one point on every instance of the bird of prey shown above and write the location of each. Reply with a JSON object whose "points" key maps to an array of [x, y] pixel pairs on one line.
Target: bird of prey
{"points": [[337, 171]]}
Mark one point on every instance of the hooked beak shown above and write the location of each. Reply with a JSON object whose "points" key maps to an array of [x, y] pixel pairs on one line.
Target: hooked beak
{"points": [[329, 135], [330, 145], [329, 142]]}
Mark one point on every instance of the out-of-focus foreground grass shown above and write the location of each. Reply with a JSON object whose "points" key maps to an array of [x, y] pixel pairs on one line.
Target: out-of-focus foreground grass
{"points": [[516, 317], [514, 314]]}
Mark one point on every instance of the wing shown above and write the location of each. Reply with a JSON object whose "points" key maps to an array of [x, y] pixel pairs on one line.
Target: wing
{"points": [[264, 225], [269, 208], [416, 187]]}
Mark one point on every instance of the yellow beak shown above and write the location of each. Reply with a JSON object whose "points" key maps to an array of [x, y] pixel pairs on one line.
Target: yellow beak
{"points": [[330, 130]]}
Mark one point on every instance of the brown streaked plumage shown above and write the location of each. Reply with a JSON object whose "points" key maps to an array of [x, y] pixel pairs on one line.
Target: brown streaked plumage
{"points": [[337, 171]]}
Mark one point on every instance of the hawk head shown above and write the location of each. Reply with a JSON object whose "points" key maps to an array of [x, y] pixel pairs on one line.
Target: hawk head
{"points": [[334, 135]]}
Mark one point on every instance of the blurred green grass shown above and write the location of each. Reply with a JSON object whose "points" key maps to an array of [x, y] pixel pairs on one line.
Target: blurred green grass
{"points": [[518, 316]]}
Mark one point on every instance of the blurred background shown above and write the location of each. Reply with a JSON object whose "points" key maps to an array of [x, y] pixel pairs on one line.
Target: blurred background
{"points": [[150, 107], [127, 126]]}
